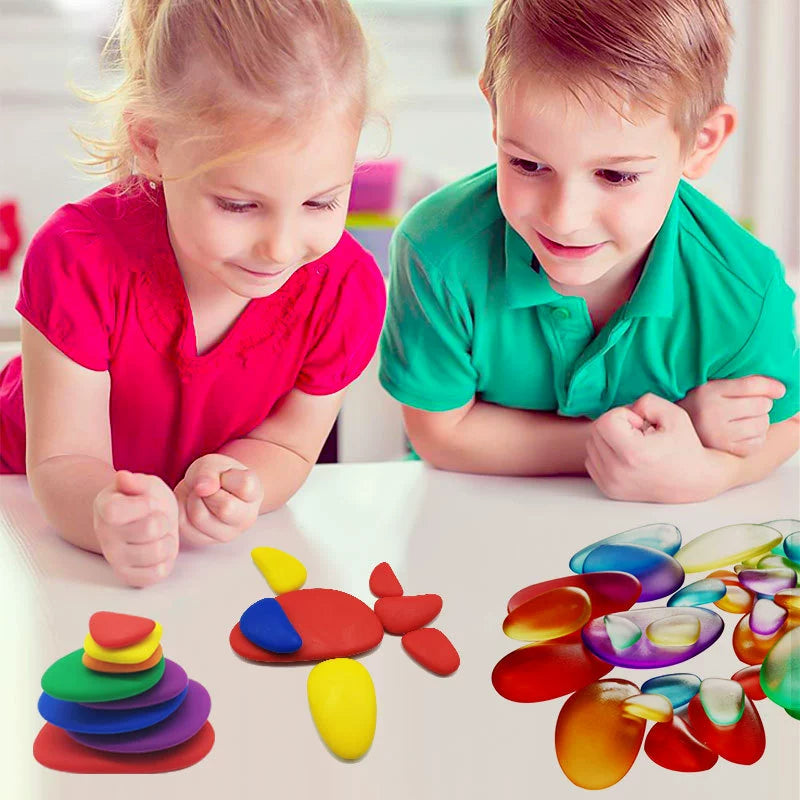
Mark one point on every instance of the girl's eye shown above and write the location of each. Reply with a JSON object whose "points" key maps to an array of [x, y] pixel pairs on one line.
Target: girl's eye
{"points": [[618, 178], [236, 208], [329, 206], [527, 167]]}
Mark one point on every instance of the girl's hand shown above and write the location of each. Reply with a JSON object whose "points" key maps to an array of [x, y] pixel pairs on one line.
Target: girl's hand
{"points": [[136, 523], [218, 498], [651, 453], [733, 415]]}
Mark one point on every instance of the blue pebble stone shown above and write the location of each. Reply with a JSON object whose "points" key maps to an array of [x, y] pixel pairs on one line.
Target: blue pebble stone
{"points": [[679, 688], [707, 590], [791, 546], [265, 624], [80, 719], [659, 535]]}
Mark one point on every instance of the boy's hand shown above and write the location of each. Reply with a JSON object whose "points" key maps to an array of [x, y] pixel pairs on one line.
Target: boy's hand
{"points": [[650, 452], [733, 415], [218, 498], [136, 523]]}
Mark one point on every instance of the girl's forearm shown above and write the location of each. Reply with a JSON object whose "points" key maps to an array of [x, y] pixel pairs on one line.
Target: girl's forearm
{"points": [[66, 487], [282, 471]]}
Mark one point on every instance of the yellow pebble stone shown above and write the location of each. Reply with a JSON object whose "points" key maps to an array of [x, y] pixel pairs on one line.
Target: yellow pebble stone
{"points": [[788, 599], [284, 573], [680, 630], [341, 697], [133, 654], [728, 545], [648, 706]]}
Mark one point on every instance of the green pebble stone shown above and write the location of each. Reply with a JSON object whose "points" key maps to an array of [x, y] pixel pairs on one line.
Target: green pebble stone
{"points": [[69, 679]]}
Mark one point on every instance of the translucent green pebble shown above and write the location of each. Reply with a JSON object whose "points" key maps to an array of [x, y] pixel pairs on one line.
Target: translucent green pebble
{"points": [[780, 672], [728, 545], [723, 700]]}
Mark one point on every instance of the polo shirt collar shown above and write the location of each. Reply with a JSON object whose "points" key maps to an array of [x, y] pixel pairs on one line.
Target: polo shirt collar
{"points": [[525, 284]]}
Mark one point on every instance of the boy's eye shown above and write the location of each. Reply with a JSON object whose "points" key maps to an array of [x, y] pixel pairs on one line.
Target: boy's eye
{"points": [[329, 206], [618, 178], [230, 205], [528, 167]]}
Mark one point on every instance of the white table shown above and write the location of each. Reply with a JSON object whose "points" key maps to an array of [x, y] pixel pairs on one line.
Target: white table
{"points": [[474, 540]]}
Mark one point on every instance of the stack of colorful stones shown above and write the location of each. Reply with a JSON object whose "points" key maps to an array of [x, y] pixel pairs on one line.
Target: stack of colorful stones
{"points": [[117, 705], [579, 627]]}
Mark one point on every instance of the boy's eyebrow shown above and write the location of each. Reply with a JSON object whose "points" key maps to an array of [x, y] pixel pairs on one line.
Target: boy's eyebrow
{"points": [[252, 193], [606, 160]]}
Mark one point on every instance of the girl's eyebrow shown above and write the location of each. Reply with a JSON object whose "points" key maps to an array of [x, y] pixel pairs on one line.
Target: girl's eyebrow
{"points": [[252, 193], [605, 160]]}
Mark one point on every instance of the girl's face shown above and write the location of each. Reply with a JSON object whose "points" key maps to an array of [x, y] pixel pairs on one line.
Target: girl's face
{"points": [[248, 225]]}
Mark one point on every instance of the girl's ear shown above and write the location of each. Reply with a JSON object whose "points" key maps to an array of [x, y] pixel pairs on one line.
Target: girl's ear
{"points": [[144, 144], [718, 126]]}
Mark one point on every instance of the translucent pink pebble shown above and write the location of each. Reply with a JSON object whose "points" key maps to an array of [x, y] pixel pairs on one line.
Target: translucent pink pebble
{"points": [[766, 617], [655, 707], [723, 700], [768, 581], [596, 743], [621, 631], [680, 630], [780, 672], [728, 545], [646, 654], [550, 615]]}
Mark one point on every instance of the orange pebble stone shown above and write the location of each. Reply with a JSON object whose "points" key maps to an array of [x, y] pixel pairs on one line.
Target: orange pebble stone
{"points": [[750, 647], [596, 744], [108, 666], [550, 615]]}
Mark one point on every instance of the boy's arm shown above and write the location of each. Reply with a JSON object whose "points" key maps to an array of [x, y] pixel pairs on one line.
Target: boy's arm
{"points": [[783, 441], [486, 438]]}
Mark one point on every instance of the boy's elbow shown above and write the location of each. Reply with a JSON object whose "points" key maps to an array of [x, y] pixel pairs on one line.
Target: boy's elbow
{"points": [[433, 436]]}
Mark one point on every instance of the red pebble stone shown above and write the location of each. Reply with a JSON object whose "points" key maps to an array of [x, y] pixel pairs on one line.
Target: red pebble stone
{"points": [[332, 624], [750, 678], [431, 648], [110, 629], [54, 748], [400, 615], [672, 745], [544, 670], [608, 591], [383, 582], [741, 743]]}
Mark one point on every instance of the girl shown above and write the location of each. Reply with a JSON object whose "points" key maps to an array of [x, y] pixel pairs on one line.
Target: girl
{"points": [[189, 330]]}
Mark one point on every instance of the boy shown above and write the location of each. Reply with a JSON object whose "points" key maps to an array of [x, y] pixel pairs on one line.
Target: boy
{"points": [[578, 307]]}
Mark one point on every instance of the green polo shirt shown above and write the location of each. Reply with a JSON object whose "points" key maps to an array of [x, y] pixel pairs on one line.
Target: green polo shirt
{"points": [[471, 314]]}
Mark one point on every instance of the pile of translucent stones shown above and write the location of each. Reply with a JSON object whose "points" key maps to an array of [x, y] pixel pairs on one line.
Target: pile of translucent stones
{"points": [[583, 625]]}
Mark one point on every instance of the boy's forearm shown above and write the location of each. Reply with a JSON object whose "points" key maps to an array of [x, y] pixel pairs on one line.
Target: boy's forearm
{"points": [[282, 471], [66, 487], [496, 440]]}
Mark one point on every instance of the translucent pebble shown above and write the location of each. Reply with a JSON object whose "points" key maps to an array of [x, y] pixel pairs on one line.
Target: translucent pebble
{"points": [[679, 688], [742, 743], [550, 615], [780, 672], [737, 599], [646, 654], [768, 581], [674, 746], [621, 631], [681, 630], [773, 561], [596, 744], [784, 526], [791, 546], [750, 647], [708, 590], [788, 599], [655, 707], [766, 617], [748, 563], [728, 545], [723, 700], [660, 536], [750, 678], [659, 573]]}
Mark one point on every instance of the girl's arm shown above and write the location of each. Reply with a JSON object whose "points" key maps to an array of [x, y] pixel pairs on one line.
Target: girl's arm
{"points": [[284, 448], [487, 438]]}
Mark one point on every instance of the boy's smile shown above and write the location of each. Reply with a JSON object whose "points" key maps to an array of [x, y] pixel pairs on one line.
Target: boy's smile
{"points": [[586, 189]]}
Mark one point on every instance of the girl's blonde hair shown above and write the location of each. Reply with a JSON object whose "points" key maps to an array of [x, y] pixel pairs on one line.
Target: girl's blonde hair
{"points": [[268, 63], [667, 55]]}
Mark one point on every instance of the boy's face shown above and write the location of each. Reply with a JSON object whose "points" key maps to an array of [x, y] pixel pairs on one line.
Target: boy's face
{"points": [[586, 189]]}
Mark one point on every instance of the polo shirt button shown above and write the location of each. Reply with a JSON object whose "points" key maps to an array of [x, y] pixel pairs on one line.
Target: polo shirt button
{"points": [[561, 313]]}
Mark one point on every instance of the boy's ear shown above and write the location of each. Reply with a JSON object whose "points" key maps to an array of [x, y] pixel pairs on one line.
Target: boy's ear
{"points": [[145, 145], [718, 126], [492, 106]]}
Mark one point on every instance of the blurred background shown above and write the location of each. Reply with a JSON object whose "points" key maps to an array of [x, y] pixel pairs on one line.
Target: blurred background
{"points": [[427, 55]]}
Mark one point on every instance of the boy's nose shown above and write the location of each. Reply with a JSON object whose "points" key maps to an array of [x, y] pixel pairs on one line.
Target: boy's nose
{"points": [[565, 211]]}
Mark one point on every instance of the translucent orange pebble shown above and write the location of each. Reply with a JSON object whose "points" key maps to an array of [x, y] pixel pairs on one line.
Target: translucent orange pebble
{"points": [[750, 647], [742, 743], [596, 744], [550, 615]]}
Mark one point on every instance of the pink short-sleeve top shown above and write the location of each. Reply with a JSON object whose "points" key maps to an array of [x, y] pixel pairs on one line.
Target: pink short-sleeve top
{"points": [[101, 282]]}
